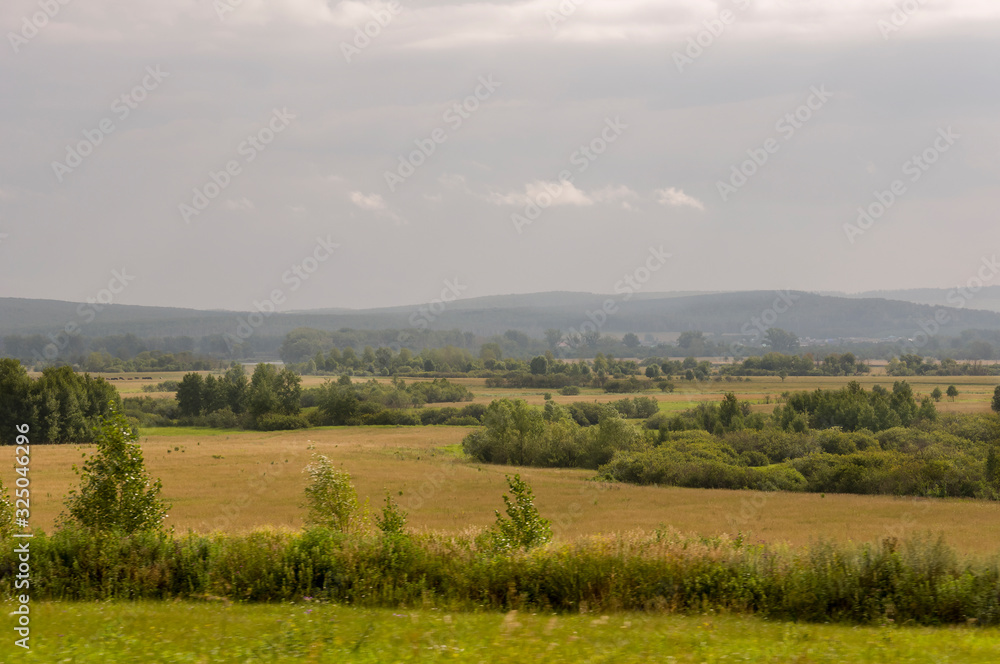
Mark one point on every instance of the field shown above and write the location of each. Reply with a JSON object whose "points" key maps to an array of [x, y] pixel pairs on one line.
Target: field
{"points": [[237, 481], [240, 480], [218, 633]]}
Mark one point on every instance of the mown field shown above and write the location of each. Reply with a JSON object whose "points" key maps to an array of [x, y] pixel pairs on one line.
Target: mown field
{"points": [[237, 481], [309, 632]]}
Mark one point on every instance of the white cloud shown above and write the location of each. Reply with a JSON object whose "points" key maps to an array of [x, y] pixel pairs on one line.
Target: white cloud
{"points": [[369, 202], [677, 198], [541, 191]]}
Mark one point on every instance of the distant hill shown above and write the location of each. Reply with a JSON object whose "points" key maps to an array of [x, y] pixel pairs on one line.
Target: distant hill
{"points": [[811, 315], [987, 298]]}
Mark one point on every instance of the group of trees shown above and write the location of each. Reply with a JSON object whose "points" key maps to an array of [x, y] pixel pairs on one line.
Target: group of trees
{"points": [[60, 406], [344, 402], [910, 364], [269, 394], [846, 440]]}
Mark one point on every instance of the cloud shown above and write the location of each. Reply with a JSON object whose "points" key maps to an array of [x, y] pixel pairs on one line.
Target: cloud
{"points": [[541, 191], [375, 203], [677, 198], [370, 202]]}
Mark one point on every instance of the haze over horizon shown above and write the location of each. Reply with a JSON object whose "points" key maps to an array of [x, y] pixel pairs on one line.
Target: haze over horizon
{"points": [[607, 116]]}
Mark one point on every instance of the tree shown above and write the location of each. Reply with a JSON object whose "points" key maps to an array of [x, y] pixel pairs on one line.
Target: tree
{"points": [[15, 403], [331, 499], [393, 519], [691, 339], [952, 392], [781, 341], [235, 388], [996, 400], [189, 395], [653, 371], [631, 340], [116, 494], [936, 394], [523, 527], [552, 337], [539, 365]]}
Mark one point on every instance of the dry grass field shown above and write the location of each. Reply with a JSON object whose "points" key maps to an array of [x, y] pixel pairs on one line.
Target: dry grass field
{"points": [[237, 481]]}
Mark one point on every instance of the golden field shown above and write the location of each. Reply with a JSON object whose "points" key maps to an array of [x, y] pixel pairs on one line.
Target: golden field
{"points": [[237, 481]]}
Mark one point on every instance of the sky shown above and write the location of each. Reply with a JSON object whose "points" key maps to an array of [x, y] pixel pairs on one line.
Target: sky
{"points": [[314, 154]]}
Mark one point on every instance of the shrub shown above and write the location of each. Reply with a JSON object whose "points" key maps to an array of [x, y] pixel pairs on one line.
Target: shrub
{"points": [[393, 519], [331, 499], [569, 391], [276, 422], [6, 513], [116, 494], [523, 527]]}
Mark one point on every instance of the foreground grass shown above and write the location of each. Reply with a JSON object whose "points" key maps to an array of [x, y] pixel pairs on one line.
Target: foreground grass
{"points": [[201, 632]]}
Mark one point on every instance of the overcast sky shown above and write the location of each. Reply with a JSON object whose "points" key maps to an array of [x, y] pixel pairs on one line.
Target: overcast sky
{"points": [[422, 148]]}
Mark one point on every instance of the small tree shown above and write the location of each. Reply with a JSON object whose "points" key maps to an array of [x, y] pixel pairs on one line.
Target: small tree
{"points": [[116, 494], [393, 519], [996, 400], [952, 392], [936, 394], [330, 497], [523, 527]]}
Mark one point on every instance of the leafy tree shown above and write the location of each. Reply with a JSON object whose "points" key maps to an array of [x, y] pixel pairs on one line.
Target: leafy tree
{"points": [[631, 340], [781, 341], [393, 519], [116, 494], [235, 387], [936, 394], [993, 467], [693, 339], [996, 400], [189, 395], [952, 392], [653, 371], [552, 337], [331, 499], [539, 365], [523, 527], [15, 399]]}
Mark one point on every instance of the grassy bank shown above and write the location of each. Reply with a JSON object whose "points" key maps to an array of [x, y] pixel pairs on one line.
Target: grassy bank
{"points": [[219, 633]]}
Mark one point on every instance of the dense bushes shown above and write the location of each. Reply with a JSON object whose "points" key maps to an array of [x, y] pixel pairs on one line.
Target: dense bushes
{"points": [[724, 445], [917, 582]]}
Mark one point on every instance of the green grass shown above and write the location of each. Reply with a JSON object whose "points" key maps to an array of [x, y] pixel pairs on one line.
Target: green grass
{"points": [[181, 432], [218, 633]]}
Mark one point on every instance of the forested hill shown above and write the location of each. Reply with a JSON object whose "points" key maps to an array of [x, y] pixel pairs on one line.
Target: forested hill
{"points": [[809, 315]]}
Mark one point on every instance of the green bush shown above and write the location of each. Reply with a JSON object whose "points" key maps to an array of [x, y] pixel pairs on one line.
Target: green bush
{"points": [[331, 500], [274, 422], [569, 390], [523, 527]]}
